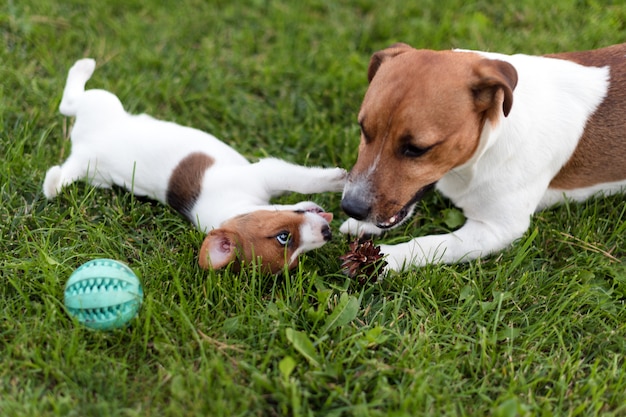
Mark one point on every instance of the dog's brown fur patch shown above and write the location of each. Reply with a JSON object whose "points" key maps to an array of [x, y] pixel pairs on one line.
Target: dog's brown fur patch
{"points": [[600, 156], [185, 184]]}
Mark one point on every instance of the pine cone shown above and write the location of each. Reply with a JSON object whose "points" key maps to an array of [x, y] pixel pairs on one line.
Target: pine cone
{"points": [[363, 261]]}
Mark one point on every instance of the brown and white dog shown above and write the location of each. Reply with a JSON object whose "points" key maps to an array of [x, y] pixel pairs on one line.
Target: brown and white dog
{"points": [[501, 136], [204, 179]]}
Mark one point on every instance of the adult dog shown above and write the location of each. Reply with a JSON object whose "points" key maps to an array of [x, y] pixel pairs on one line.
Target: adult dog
{"points": [[501, 136]]}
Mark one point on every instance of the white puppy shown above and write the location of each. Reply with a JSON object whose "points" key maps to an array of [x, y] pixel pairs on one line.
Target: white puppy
{"points": [[204, 179], [500, 135]]}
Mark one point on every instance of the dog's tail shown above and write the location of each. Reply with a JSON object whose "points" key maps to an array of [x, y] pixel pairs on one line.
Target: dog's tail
{"points": [[77, 77]]}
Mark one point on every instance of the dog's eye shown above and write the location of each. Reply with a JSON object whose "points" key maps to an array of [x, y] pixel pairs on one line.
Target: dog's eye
{"points": [[283, 238], [364, 133], [412, 151]]}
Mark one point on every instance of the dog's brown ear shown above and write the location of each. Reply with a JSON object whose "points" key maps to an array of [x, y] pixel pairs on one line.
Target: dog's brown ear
{"points": [[493, 75], [379, 57], [218, 249]]}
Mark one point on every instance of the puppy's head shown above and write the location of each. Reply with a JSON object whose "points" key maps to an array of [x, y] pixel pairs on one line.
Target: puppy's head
{"points": [[422, 116], [276, 238]]}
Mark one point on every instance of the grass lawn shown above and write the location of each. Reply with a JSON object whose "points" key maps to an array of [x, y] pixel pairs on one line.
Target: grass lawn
{"points": [[538, 330]]}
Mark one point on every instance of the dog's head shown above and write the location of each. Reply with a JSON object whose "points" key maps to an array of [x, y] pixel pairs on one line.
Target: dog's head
{"points": [[274, 238], [422, 116]]}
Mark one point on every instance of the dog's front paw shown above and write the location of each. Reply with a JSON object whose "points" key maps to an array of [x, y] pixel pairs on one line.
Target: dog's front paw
{"points": [[354, 227], [396, 261], [51, 183]]}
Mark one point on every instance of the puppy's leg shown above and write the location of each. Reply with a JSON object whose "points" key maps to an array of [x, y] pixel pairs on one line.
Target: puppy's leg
{"points": [[77, 77], [279, 176], [51, 184], [60, 176], [302, 206], [358, 228]]}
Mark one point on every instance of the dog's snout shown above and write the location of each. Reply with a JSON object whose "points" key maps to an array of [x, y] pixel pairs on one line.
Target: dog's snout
{"points": [[326, 233], [355, 207]]}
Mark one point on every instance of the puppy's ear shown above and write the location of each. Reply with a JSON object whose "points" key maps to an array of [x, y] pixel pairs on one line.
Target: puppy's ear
{"points": [[379, 57], [218, 249], [493, 75]]}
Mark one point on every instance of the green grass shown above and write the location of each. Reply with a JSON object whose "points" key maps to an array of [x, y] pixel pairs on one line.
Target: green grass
{"points": [[539, 329]]}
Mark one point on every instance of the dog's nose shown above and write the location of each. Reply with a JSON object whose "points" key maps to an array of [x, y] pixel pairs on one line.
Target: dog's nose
{"points": [[355, 207], [326, 233]]}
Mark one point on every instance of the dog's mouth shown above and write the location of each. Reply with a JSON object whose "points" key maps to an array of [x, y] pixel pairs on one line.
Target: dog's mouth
{"points": [[405, 211]]}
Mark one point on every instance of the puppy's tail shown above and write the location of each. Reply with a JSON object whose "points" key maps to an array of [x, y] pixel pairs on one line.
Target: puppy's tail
{"points": [[77, 77]]}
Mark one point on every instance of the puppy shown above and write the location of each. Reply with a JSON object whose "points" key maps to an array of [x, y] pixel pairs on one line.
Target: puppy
{"points": [[501, 136], [205, 180]]}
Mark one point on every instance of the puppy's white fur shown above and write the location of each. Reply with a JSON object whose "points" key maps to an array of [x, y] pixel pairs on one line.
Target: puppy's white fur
{"points": [[142, 154], [509, 175]]}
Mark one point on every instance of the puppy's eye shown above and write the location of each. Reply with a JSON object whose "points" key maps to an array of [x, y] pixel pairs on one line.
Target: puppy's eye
{"points": [[283, 238], [412, 151]]}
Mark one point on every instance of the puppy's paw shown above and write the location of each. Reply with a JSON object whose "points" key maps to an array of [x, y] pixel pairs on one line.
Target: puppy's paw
{"points": [[308, 206], [52, 182], [354, 227], [338, 178], [339, 175]]}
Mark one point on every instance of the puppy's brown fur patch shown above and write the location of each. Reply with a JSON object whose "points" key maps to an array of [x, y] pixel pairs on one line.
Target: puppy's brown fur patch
{"points": [[185, 184]]}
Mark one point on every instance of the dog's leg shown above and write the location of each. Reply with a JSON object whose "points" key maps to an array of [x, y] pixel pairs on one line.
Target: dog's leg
{"points": [[475, 239], [77, 77], [279, 176]]}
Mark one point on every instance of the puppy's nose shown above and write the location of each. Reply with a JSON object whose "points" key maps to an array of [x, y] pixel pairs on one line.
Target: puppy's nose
{"points": [[355, 207], [326, 233]]}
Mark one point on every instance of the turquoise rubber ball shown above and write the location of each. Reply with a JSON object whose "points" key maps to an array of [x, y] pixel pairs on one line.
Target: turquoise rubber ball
{"points": [[103, 294]]}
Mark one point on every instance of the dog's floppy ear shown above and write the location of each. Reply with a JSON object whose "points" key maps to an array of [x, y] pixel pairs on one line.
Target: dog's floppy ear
{"points": [[493, 75], [379, 57], [218, 249]]}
